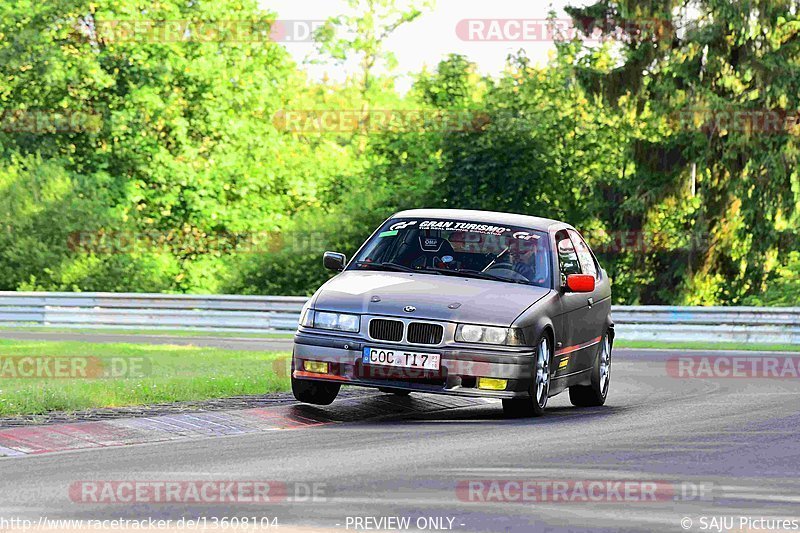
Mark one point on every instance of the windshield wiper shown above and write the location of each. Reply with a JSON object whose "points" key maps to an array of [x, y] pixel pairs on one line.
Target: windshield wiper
{"points": [[392, 267], [496, 258], [476, 274], [395, 267]]}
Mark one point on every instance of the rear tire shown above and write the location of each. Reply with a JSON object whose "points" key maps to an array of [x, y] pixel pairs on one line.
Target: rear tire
{"points": [[535, 403], [315, 392], [396, 392], [595, 395]]}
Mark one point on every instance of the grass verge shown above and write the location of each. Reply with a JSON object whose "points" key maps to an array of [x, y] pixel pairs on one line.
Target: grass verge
{"points": [[131, 374], [675, 345], [143, 374]]}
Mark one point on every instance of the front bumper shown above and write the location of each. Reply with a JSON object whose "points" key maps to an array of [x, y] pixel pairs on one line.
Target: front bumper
{"points": [[460, 367]]}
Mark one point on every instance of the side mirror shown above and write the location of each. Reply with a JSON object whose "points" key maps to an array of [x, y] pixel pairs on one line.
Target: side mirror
{"points": [[580, 283], [334, 261]]}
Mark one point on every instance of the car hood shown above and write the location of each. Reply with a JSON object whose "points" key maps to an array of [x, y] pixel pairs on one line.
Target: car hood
{"points": [[446, 298]]}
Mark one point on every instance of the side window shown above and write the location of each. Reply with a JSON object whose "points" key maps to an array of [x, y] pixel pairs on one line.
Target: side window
{"points": [[567, 256], [584, 254]]}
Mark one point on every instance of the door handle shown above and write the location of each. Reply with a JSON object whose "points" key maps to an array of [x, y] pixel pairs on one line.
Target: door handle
{"points": [[591, 302]]}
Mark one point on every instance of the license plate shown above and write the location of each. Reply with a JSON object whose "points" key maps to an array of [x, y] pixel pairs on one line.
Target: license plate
{"points": [[401, 359]]}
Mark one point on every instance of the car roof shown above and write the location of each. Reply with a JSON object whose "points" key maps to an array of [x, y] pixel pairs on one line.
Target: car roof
{"points": [[484, 217]]}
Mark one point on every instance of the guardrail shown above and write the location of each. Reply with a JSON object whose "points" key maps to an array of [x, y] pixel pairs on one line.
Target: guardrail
{"points": [[773, 325], [252, 314], [277, 314]]}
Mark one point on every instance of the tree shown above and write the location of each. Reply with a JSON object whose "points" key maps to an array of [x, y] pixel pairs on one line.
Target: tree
{"points": [[182, 161], [735, 184], [363, 33]]}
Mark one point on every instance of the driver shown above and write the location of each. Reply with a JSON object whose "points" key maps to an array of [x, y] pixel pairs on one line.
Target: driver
{"points": [[521, 257]]}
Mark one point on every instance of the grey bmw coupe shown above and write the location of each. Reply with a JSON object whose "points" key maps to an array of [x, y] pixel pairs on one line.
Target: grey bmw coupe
{"points": [[467, 303]]}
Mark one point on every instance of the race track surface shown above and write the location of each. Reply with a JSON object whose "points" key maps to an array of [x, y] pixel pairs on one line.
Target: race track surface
{"points": [[710, 447]]}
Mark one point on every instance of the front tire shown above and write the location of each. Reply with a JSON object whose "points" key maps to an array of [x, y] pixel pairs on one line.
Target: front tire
{"points": [[536, 402], [315, 392], [595, 395]]}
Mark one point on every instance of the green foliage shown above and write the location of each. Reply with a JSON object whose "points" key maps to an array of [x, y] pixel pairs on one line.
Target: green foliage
{"points": [[783, 287], [182, 179], [360, 35], [734, 183], [184, 143]]}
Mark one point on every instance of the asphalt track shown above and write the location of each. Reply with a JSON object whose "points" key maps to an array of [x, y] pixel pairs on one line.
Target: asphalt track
{"points": [[719, 447]]}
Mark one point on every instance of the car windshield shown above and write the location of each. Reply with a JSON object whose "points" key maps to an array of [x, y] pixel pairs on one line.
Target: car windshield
{"points": [[460, 248]]}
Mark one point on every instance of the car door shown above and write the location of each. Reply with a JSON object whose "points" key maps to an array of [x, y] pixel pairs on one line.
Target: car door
{"points": [[574, 309], [590, 320]]}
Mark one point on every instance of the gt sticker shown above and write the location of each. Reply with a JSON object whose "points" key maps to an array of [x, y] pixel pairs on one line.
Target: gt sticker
{"points": [[564, 362], [402, 225], [524, 236]]}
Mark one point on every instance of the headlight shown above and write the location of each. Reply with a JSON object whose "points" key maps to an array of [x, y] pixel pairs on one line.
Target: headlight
{"points": [[489, 335], [495, 335], [332, 321], [307, 320], [470, 333]]}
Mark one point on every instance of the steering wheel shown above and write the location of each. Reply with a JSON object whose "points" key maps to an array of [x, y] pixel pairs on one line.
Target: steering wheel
{"points": [[506, 271]]}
